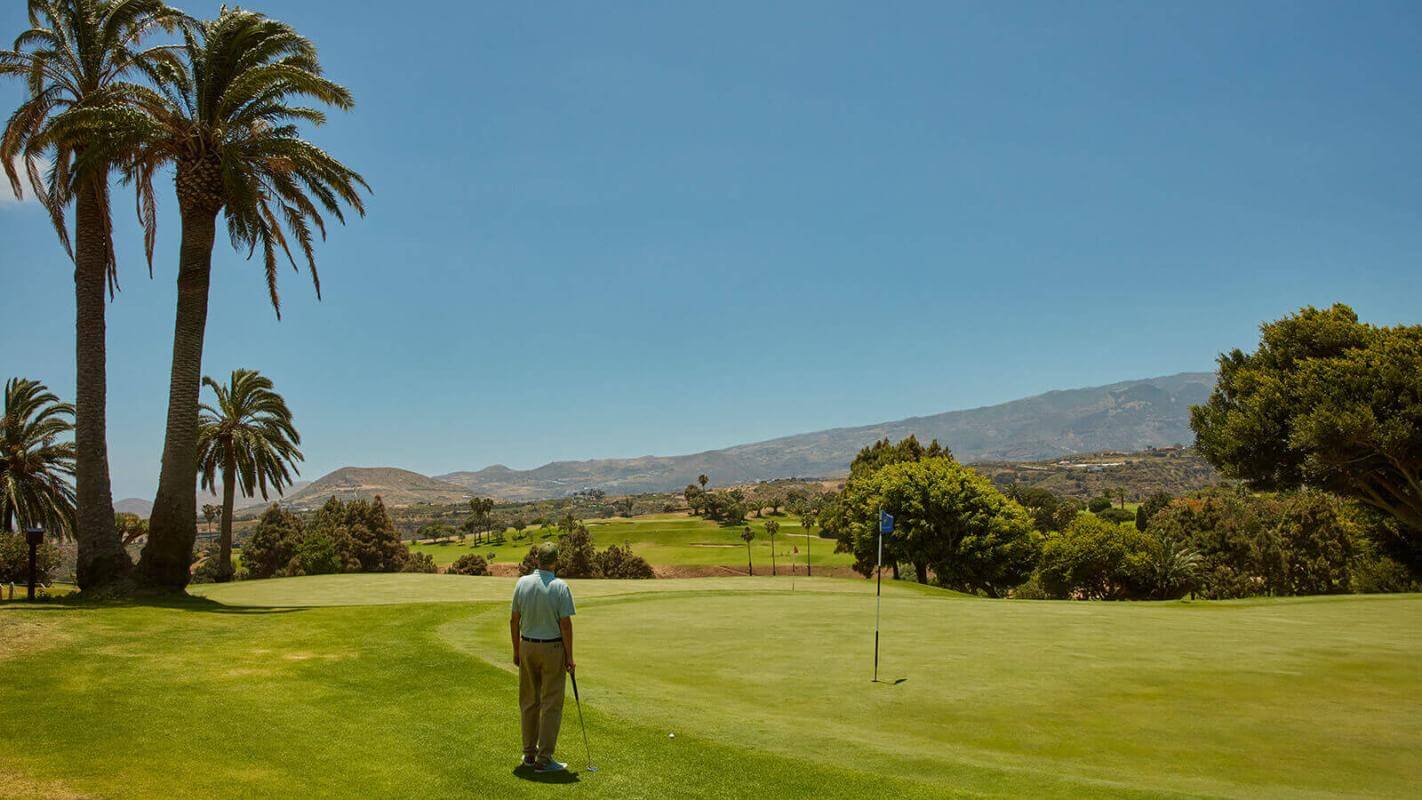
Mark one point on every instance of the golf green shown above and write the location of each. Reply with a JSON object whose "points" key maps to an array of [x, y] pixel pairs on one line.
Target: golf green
{"points": [[399, 685]]}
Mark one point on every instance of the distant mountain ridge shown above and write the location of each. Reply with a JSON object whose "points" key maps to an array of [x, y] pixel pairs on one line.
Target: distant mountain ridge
{"points": [[1126, 416], [141, 507], [396, 487]]}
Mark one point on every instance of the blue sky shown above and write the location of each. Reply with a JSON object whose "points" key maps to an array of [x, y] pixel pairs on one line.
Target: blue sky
{"points": [[618, 229]]}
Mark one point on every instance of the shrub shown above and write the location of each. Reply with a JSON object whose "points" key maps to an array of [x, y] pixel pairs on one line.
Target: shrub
{"points": [[1095, 559], [469, 564], [1153, 505], [1116, 515], [420, 562], [1098, 504], [1031, 590], [316, 554], [210, 571], [618, 561], [15, 560], [272, 543], [1374, 573]]}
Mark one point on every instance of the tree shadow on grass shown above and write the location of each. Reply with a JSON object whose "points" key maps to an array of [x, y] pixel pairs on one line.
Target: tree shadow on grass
{"points": [[175, 602], [527, 773]]}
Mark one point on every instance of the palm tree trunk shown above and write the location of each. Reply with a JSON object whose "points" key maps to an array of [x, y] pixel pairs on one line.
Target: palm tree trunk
{"points": [[101, 557], [172, 529], [229, 496], [772, 556], [750, 570]]}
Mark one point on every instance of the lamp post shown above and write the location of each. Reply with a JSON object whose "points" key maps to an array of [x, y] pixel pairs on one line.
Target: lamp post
{"points": [[34, 536]]}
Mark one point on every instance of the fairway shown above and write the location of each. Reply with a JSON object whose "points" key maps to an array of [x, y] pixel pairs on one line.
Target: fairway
{"points": [[667, 540], [398, 685]]}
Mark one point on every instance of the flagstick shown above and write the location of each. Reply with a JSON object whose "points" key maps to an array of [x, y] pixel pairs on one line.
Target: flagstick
{"points": [[878, 594]]}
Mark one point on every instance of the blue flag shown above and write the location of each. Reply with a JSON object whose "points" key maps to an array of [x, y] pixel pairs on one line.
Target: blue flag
{"points": [[886, 522]]}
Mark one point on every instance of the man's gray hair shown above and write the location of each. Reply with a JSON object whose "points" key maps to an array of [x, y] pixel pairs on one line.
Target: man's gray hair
{"points": [[547, 554]]}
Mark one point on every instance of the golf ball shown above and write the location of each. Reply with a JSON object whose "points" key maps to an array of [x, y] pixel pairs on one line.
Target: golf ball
{"points": [[671, 736]]}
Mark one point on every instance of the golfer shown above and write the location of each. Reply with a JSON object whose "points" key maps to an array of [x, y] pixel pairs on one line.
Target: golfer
{"points": [[541, 627]]}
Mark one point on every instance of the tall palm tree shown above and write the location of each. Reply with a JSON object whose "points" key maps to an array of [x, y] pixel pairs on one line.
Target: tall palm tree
{"points": [[772, 527], [36, 467], [248, 438], [748, 536], [226, 115], [75, 60]]}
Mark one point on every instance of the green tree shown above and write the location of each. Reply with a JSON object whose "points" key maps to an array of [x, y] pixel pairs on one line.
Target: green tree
{"points": [[481, 517], [1325, 402], [469, 564], [1148, 509], [748, 536], [246, 436], [577, 558], [209, 515], [36, 463], [771, 528], [1321, 542], [695, 499], [624, 506], [883, 453], [225, 118], [130, 527], [1236, 536], [375, 542], [273, 542], [15, 561], [420, 562], [703, 480], [948, 520], [618, 561], [1097, 560], [808, 518], [1174, 568], [76, 59]]}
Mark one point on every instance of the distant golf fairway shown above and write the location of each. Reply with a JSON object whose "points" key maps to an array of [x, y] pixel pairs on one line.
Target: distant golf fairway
{"points": [[670, 540], [367, 691]]}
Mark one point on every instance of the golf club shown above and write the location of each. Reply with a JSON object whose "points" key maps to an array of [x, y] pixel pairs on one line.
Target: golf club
{"points": [[579, 703]]}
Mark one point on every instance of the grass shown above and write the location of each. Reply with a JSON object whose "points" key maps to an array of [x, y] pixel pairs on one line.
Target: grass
{"points": [[398, 685], [667, 540]]}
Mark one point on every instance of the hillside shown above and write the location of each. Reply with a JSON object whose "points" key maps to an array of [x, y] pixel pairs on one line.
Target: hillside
{"points": [[1125, 416], [1174, 471], [397, 487], [141, 507]]}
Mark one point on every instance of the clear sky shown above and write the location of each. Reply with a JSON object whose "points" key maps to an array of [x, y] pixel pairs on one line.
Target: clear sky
{"points": [[618, 229]]}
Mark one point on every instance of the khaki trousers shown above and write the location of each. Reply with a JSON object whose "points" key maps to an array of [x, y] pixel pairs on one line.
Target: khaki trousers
{"points": [[542, 674]]}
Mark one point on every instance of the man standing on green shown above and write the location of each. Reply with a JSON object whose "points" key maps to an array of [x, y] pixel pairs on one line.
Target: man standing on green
{"points": [[541, 627]]}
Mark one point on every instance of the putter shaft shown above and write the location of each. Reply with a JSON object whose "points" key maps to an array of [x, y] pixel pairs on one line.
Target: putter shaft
{"points": [[581, 723]]}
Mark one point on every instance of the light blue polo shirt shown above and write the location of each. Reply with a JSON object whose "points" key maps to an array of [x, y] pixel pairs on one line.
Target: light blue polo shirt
{"points": [[541, 599]]}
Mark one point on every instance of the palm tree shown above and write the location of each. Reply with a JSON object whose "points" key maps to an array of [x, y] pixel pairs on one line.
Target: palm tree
{"points": [[808, 519], [248, 438], [703, 480], [226, 116], [75, 60], [748, 536], [209, 513], [772, 527], [35, 465], [1174, 566]]}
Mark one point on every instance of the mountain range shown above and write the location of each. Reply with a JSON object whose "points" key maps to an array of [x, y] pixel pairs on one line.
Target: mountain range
{"points": [[1126, 416], [142, 507]]}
